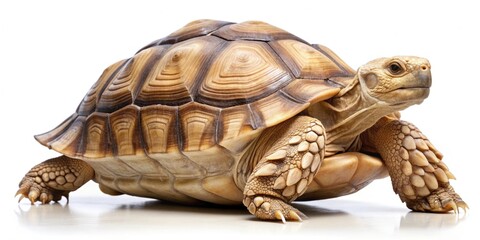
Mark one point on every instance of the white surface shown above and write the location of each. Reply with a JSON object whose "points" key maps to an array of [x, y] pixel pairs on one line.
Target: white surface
{"points": [[53, 51], [126, 217]]}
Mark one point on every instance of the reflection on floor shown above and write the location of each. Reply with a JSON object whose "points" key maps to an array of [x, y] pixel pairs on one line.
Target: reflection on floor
{"points": [[121, 216]]}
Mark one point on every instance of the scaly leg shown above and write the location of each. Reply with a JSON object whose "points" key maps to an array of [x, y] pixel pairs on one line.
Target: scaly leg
{"points": [[286, 169], [54, 178], [418, 174]]}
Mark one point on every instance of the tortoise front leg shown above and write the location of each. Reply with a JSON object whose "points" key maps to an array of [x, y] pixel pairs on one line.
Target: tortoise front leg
{"points": [[288, 166], [54, 178], [419, 176]]}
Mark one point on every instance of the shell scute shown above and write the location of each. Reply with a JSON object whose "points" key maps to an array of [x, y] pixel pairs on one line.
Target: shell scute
{"points": [[121, 90], [307, 62], [97, 137], [244, 72], [307, 90], [269, 107], [69, 140], [159, 129], [125, 131], [89, 102], [47, 137], [198, 126], [173, 78]]}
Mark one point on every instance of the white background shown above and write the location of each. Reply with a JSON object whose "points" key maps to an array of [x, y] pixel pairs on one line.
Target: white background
{"points": [[51, 52]]}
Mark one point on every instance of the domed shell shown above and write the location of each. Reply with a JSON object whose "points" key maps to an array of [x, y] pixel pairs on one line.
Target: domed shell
{"points": [[209, 83]]}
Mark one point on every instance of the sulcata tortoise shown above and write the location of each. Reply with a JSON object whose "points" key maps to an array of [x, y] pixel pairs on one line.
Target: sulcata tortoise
{"points": [[247, 113]]}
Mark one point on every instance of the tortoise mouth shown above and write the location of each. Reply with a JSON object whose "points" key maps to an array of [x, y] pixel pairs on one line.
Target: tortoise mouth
{"points": [[411, 88], [408, 95]]}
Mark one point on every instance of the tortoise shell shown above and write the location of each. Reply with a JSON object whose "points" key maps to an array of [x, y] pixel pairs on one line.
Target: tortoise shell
{"points": [[211, 83]]}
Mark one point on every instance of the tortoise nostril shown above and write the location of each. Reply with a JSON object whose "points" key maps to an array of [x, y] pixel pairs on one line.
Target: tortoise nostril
{"points": [[424, 67]]}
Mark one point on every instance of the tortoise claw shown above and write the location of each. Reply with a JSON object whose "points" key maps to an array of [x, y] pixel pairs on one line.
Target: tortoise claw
{"points": [[279, 216], [294, 216], [463, 206], [451, 206], [20, 198]]}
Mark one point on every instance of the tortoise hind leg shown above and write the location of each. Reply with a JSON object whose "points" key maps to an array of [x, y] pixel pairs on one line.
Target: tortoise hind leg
{"points": [[285, 169], [54, 178]]}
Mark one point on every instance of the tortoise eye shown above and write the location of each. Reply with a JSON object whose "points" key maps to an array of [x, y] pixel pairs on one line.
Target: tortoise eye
{"points": [[395, 68]]}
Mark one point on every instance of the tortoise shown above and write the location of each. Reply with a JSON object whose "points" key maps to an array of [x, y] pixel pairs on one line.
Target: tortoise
{"points": [[231, 113]]}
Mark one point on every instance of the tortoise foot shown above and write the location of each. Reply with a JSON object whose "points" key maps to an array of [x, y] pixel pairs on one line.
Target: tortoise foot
{"points": [[35, 190], [441, 200], [54, 178], [268, 208]]}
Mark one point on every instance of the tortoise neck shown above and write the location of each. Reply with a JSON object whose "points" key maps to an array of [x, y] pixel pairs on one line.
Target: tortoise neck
{"points": [[347, 115]]}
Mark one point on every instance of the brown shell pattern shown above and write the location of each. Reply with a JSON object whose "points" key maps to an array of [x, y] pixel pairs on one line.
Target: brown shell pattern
{"points": [[207, 84]]}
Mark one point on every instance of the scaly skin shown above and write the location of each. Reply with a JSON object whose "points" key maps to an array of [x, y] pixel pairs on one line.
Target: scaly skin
{"points": [[54, 178], [418, 174], [284, 173]]}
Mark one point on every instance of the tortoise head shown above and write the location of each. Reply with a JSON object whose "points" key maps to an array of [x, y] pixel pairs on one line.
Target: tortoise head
{"points": [[396, 81]]}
